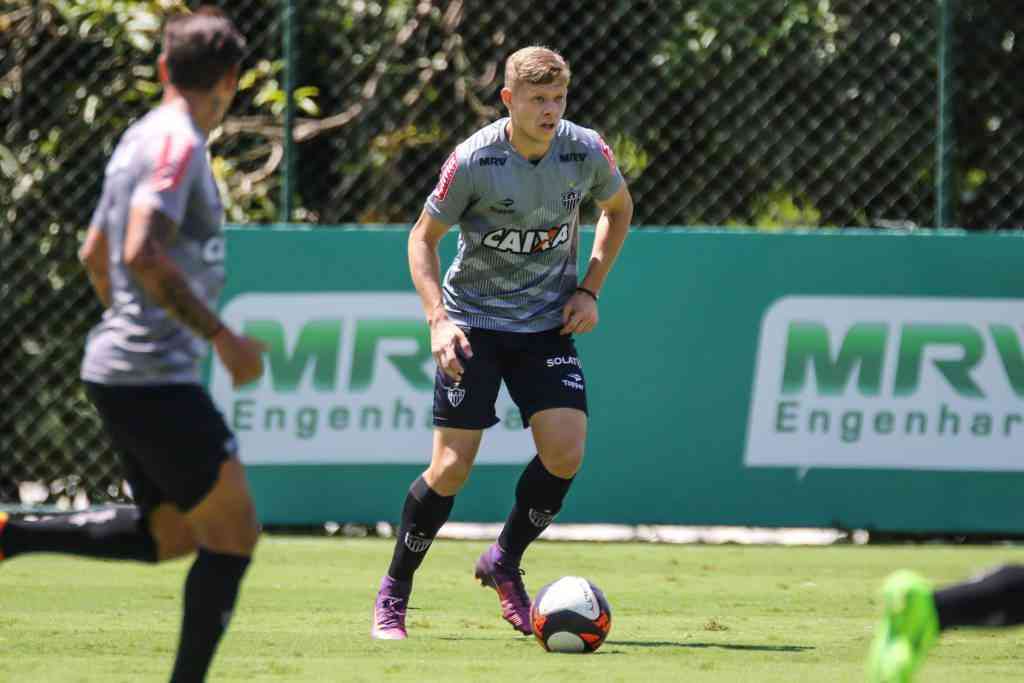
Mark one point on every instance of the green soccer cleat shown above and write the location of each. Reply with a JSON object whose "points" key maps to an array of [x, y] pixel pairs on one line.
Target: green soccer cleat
{"points": [[909, 627]]}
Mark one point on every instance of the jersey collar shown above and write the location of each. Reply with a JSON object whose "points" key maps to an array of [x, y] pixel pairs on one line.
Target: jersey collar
{"points": [[504, 123]]}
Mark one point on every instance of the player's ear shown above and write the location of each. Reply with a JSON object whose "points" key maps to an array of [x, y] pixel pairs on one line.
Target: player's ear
{"points": [[506, 96], [161, 67], [230, 79]]}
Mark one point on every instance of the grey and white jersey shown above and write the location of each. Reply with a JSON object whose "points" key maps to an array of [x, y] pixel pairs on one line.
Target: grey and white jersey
{"points": [[519, 224], [160, 161]]}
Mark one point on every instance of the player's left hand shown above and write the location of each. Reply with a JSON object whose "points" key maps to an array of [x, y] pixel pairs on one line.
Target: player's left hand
{"points": [[579, 315]]}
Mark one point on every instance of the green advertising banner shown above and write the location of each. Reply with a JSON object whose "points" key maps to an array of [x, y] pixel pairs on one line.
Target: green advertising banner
{"points": [[851, 379]]}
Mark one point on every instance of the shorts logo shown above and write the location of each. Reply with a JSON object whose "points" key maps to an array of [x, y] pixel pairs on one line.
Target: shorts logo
{"points": [[213, 250], [575, 378], [563, 360], [493, 161], [571, 199], [571, 384], [417, 543], [540, 518], [527, 241], [444, 183], [455, 395]]}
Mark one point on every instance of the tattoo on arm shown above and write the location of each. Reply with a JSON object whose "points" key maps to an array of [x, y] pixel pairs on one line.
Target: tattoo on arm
{"points": [[146, 253], [101, 285], [178, 299]]}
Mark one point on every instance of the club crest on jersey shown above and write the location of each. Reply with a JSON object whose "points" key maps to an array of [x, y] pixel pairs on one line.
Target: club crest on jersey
{"points": [[571, 199], [527, 241], [455, 395]]}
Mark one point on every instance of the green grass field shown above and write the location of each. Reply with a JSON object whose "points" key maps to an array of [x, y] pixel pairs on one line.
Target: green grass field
{"points": [[680, 613]]}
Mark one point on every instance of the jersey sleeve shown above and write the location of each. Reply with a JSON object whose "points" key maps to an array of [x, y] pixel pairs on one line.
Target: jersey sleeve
{"points": [[452, 194], [176, 161], [607, 177]]}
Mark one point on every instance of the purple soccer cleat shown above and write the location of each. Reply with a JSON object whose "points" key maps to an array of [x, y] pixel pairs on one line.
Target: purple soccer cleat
{"points": [[494, 569], [389, 610]]}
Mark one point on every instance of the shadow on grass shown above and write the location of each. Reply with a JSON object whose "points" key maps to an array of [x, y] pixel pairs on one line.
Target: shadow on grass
{"points": [[654, 643], [524, 639], [724, 646]]}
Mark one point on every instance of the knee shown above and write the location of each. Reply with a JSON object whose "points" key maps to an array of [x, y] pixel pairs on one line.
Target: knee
{"points": [[225, 520], [250, 538], [173, 542], [448, 474], [231, 528], [245, 529], [172, 537], [564, 460], [239, 539]]}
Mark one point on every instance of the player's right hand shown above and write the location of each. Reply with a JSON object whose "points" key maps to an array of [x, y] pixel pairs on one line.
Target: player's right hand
{"points": [[449, 344], [241, 355]]}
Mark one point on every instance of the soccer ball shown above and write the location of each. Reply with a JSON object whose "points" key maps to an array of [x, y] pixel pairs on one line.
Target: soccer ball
{"points": [[570, 615]]}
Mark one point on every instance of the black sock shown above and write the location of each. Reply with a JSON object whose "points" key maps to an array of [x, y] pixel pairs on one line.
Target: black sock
{"points": [[539, 496], [424, 513], [994, 599], [112, 534], [210, 592]]}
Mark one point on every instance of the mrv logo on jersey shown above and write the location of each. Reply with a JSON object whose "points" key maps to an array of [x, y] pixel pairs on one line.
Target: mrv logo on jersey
{"points": [[348, 378], [527, 241], [908, 383]]}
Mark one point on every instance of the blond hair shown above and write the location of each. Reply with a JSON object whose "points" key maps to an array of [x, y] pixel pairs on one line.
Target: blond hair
{"points": [[537, 65]]}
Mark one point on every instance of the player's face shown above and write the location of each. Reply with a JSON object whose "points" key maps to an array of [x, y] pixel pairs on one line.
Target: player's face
{"points": [[537, 109]]}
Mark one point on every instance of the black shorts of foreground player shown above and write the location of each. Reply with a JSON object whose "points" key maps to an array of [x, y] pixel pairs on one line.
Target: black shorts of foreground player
{"points": [[506, 311], [154, 255]]}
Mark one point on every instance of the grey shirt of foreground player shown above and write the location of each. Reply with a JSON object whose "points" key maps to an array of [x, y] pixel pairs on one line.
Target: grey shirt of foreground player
{"points": [[160, 161]]}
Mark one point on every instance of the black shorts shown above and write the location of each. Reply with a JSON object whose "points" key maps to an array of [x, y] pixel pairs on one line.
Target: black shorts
{"points": [[171, 438], [541, 370]]}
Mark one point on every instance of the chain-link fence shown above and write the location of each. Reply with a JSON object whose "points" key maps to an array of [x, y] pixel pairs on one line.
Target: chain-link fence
{"points": [[763, 113]]}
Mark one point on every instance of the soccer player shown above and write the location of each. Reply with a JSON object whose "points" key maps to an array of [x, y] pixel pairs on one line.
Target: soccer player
{"points": [[914, 614], [507, 310], [154, 252]]}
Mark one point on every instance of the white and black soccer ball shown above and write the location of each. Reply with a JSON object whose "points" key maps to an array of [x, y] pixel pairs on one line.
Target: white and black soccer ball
{"points": [[570, 615]]}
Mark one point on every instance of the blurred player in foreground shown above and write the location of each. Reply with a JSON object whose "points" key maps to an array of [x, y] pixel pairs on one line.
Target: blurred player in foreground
{"points": [[154, 253]]}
